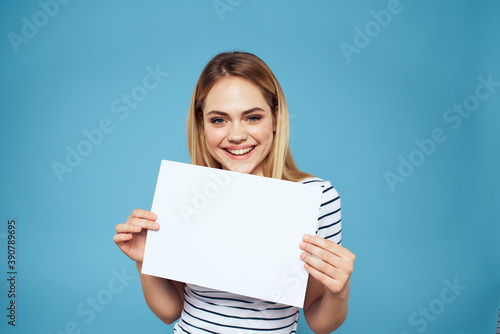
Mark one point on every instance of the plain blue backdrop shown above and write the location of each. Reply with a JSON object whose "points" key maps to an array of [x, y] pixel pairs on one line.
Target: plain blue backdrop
{"points": [[369, 85]]}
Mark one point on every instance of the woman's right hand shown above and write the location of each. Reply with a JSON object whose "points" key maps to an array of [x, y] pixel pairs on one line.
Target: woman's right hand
{"points": [[131, 235]]}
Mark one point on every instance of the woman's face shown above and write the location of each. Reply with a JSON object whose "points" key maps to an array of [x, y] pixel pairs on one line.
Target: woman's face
{"points": [[239, 125]]}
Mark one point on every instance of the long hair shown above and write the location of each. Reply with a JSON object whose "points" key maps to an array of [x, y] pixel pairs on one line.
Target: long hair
{"points": [[279, 164]]}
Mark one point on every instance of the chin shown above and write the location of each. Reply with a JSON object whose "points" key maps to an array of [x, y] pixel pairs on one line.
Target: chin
{"points": [[246, 169], [241, 169]]}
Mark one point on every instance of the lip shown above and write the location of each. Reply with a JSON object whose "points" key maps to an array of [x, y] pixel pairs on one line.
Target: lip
{"points": [[238, 147], [239, 157]]}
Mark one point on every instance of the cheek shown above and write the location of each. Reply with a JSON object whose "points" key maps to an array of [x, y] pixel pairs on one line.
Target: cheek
{"points": [[263, 135], [213, 137]]}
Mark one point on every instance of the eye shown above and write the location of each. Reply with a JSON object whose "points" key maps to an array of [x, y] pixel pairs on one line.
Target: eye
{"points": [[254, 118], [217, 121]]}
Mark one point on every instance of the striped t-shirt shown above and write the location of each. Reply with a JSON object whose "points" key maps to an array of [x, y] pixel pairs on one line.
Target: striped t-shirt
{"points": [[212, 311]]}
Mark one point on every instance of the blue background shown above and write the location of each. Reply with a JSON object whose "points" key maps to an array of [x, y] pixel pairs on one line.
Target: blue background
{"points": [[352, 117]]}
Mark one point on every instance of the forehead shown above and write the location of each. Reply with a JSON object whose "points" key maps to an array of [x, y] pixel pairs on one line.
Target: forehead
{"points": [[233, 94]]}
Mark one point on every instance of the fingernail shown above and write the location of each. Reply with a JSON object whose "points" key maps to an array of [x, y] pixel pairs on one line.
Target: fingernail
{"points": [[153, 216], [156, 226], [302, 245], [137, 228], [302, 256], [306, 236]]}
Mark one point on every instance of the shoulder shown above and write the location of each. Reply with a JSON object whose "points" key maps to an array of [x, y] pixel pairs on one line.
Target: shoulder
{"points": [[329, 216], [329, 192]]}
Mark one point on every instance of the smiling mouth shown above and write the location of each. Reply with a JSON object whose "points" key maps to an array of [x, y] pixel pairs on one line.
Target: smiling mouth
{"points": [[242, 151]]}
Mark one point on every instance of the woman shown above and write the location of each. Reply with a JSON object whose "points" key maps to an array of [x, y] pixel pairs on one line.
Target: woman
{"points": [[238, 121]]}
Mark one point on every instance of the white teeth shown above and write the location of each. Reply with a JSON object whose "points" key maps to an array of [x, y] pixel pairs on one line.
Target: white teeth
{"points": [[240, 151]]}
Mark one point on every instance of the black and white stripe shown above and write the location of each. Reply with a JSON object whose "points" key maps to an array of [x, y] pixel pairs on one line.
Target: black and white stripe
{"points": [[329, 220], [211, 311]]}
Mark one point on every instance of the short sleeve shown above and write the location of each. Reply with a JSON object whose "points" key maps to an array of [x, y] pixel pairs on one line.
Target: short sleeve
{"points": [[329, 217]]}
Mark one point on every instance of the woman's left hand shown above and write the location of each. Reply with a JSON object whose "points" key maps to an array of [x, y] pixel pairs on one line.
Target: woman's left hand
{"points": [[327, 262]]}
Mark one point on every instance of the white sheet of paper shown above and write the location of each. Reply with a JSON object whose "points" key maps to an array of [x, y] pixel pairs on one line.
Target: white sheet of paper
{"points": [[231, 231]]}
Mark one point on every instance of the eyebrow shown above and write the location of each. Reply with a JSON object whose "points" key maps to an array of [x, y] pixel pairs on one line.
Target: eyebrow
{"points": [[246, 112]]}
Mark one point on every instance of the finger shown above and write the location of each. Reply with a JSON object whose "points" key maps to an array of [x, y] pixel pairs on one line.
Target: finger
{"points": [[143, 223], [322, 254], [121, 238], [320, 265], [331, 246], [330, 283], [128, 228], [144, 214]]}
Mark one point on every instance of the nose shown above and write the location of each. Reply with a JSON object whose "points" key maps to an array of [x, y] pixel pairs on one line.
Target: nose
{"points": [[237, 133]]}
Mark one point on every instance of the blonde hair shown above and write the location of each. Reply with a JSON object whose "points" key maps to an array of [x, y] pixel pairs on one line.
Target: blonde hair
{"points": [[279, 164]]}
